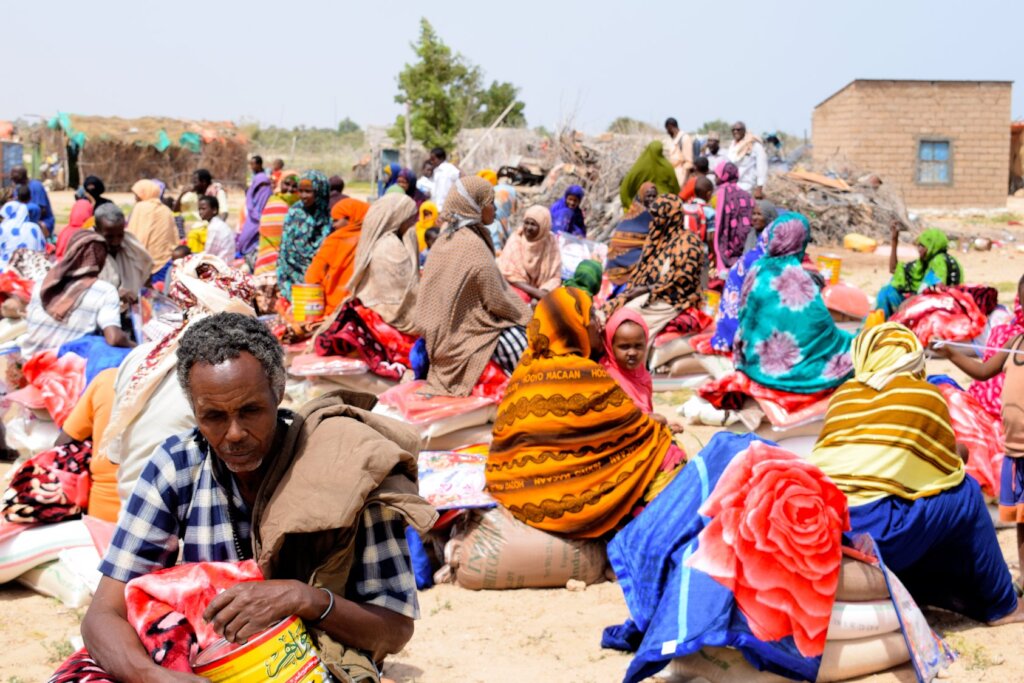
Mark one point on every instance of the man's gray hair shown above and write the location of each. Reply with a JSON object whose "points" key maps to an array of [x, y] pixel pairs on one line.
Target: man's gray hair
{"points": [[108, 212], [225, 336]]}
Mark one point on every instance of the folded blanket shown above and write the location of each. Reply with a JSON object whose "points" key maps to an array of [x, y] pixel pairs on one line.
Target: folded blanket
{"points": [[946, 313], [723, 557]]}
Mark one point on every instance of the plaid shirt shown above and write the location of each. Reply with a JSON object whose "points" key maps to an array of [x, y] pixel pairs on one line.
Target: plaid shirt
{"points": [[179, 508]]}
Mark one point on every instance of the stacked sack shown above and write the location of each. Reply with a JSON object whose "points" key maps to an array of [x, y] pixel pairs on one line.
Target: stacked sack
{"points": [[864, 637]]}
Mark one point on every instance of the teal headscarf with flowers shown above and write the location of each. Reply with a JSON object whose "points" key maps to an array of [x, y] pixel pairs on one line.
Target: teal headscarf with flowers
{"points": [[787, 339], [304, 231]]}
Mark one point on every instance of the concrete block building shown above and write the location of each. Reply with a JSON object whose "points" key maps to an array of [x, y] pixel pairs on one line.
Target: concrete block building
{"points": [[942, 144]]}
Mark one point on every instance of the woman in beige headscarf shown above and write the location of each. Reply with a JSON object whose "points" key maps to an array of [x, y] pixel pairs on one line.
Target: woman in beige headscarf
{"points": [[531, 261], [152, 223], [149, 404], [386, 271], [466, 311]]}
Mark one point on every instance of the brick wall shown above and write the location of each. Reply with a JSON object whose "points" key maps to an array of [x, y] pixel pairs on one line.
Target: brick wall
{"points": [[876, 126]]}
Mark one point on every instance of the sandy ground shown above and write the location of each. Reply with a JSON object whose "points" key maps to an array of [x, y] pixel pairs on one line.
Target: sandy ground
{"points": [[554, 635]]}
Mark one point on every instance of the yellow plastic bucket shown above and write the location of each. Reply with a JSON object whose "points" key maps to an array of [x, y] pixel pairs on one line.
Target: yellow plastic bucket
{"points": [[307, 303], [830, 267], [283, 653], [712, 299]]}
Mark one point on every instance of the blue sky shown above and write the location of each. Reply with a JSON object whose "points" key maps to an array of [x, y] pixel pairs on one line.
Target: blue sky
{"points": [[767, 63]]}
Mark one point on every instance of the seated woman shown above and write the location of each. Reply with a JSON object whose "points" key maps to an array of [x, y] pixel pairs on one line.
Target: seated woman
{"points": [[466, 311], [386, 271], [18, 231], [667, 278], [630, 235], [889, 446], [427, 220], [87, 422], [572, 454], [531, 261], [934, 267], [650, 167], [729, 309], [566, 214], [152, 223], [332, 265], [589, 276], [734, 208], [306, 224], [71, 301], [272, 224], [786, 339], [149, 404], [375, 317], [625, 358]]}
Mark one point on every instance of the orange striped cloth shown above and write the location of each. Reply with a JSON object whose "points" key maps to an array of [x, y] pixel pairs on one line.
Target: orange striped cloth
{"points": [[572, 454]]}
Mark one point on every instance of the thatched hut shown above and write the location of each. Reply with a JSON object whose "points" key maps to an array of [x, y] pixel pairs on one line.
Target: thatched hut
{"points": [[121, 151]]}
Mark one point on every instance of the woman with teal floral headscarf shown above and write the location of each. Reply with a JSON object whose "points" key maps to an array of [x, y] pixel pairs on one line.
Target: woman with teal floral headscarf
{"points": [[307, 224], [787, 339], [934, 267]]}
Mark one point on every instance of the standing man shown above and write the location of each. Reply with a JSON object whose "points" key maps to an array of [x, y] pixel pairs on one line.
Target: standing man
{"points": [[680, 151], [713, 152], [256, 197], [747, 152], [444, 176], [39, 197]]}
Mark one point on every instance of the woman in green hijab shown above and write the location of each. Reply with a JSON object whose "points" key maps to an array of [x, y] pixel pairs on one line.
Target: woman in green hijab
{"points": [[587, 277], [934, 267], [652, 166]]}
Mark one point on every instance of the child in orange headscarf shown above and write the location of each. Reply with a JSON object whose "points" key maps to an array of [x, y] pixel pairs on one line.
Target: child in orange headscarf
{"points": [[332, 265]]}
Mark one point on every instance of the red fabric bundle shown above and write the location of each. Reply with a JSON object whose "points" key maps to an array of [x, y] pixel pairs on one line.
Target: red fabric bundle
{"points": [[980, 433], [50, 487], [357, 328], [60, 381], [945, 313], [12, 285], [729, 392], [166, 609], [775, 541]]}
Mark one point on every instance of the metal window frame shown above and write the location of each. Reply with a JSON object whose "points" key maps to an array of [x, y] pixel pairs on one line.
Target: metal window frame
{"points": [[918, 162]]}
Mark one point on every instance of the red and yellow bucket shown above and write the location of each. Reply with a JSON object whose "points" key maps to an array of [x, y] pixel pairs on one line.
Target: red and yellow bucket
{"points": [[307, 303], [283, 653], [830, 266]]}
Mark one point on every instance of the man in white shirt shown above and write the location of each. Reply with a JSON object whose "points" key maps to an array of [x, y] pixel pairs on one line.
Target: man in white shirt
{"points": [[220, 238], [713, 152], [747, 152], [680, 151], [445, 175]]}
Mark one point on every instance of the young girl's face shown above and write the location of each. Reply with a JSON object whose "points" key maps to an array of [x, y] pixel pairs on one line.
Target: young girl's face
{"points": [[629, 346]]}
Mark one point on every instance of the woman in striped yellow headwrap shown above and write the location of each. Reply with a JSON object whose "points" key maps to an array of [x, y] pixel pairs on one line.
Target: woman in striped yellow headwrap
{"points": [[889, 445]]}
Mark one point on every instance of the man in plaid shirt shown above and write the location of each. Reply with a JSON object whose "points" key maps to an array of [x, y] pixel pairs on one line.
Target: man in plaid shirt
{"points": [[194, 503]]}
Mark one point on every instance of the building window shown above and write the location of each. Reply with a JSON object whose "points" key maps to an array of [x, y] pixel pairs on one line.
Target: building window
{"points": [[934, 165]]}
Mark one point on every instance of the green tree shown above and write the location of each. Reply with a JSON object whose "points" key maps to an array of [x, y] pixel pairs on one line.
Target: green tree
{"points": [[625, 125], [493, 101], [723, 128], [445, 93], [347, 125]]}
